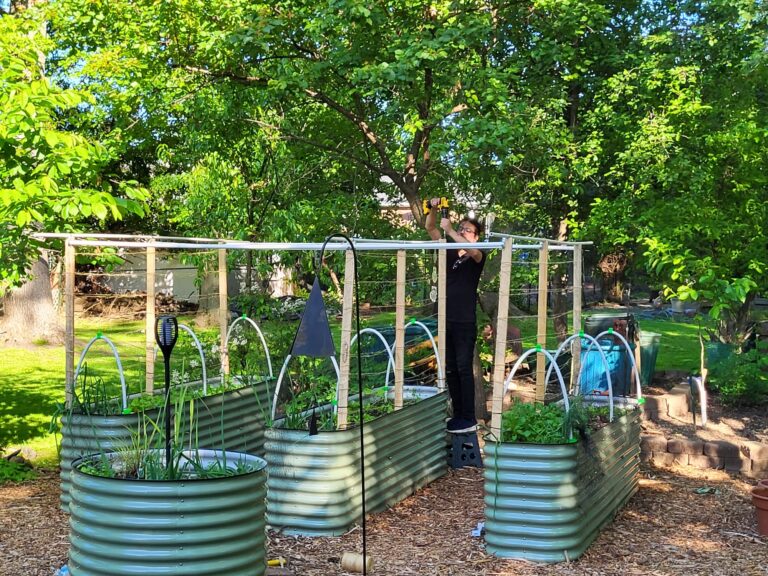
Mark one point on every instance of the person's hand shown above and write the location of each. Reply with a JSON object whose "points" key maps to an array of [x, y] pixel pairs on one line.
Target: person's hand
{"points": [[434, 202], [445, 224]]}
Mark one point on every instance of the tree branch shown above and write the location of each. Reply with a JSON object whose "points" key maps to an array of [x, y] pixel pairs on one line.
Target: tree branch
{"points": [[369, 134], [383, 170], [226, 74]]}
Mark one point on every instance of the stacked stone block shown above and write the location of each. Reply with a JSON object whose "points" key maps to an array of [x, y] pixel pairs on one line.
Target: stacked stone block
{"points": [[746, 457]]}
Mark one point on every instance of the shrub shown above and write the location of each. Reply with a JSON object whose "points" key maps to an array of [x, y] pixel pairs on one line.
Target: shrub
{"points": [[14, 472], [742, 379]]}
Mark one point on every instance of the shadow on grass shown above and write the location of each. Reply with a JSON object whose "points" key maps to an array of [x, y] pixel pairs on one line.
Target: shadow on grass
{"points": [[28, 400]]}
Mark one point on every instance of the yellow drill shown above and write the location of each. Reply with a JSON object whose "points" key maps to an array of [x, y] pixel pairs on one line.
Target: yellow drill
{"points": [[443, 207]]}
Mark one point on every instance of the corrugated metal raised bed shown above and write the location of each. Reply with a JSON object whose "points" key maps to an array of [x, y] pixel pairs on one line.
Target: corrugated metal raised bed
{"points": [[232, 420], [201, 526], [547, 503], [314, 481]]}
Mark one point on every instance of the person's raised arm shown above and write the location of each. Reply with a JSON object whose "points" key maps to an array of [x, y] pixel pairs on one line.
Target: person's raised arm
{"points": [[430, 223]]}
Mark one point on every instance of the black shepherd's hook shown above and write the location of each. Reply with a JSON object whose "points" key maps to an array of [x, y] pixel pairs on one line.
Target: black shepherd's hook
{"points": [[359, 377]]}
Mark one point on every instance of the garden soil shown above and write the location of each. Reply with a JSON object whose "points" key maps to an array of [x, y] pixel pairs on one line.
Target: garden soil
{"points": [[670, 527]]}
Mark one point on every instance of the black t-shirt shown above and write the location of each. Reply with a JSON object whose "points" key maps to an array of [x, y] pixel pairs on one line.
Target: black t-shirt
{"points": [[462, 278]]}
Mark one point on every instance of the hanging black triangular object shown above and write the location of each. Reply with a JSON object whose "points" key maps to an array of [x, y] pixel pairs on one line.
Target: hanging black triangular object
{"points": [[313, 338]]}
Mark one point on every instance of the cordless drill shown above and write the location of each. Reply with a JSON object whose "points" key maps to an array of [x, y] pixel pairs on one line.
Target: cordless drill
{"points": [[443, 207]]}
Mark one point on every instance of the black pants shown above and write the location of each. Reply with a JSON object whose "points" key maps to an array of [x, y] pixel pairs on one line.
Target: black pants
{"points": [[460, 353]]}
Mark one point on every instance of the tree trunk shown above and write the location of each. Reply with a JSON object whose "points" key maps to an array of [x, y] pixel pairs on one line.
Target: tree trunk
{"points": [[613, 266], [734, 327], [208, 308], [30, 316]]}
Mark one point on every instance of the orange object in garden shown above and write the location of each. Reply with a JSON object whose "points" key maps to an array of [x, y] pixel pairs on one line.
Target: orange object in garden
{"points": [[760, 500]]}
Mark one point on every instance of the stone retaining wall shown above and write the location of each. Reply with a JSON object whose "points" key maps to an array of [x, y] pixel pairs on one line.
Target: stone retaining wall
{"points": [[747, 457], [676, 403]]}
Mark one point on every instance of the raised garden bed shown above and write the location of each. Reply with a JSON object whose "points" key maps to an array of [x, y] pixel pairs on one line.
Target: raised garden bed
{"points": [[548, 502], [231, 419], [207, 519], [314, 480]]}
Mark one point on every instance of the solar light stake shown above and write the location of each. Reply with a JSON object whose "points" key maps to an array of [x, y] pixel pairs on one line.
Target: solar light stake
{"points": [[166, 334]]}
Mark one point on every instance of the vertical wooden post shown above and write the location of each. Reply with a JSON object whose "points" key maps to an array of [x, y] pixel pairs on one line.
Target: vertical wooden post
{"points": [[541, 330], [69, 330], [149, 349], [499, 356], [577, 305], [400, 329], [346, 337], [223, 313], [442, 297]]}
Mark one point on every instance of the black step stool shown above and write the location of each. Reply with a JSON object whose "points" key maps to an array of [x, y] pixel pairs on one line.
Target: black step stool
{"points": [[465, 450]]}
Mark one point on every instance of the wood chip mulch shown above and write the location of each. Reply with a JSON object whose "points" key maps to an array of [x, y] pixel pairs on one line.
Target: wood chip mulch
{"points": [[666, 529]]}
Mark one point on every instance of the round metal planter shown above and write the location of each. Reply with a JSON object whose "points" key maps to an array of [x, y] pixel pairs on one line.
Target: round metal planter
{"points": [[232, 421], [205, 527], [83, 434]]}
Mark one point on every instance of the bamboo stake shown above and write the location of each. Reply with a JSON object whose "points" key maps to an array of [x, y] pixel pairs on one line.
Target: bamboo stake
{"points": [[223, 312], [441, 305], [400, 329], [541, 330], [69, 330], [578, 289], [149, 348], [499, 357], [346, 336]]}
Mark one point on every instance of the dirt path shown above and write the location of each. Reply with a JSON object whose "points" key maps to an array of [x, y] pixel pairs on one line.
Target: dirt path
{"points": [[667, 529]]}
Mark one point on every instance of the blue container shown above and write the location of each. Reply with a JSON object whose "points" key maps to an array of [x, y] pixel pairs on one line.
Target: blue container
{"points": [[594, 379]]}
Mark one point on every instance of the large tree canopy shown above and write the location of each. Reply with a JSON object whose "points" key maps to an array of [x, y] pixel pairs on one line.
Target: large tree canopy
{"points": [[684, 171], [50, 176], [639, 124]]}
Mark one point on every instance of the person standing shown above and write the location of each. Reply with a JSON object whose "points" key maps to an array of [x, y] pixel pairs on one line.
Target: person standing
{"points": [[464, 268]]}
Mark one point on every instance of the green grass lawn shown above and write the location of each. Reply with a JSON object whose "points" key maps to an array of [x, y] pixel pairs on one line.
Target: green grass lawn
{"points": [[32, 383], [679, 347]]}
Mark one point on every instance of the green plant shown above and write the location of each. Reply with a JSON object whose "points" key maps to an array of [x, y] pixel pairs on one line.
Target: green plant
{"points": [[15, 472], [98, 466], [577, 418], [550, 423], [92, 396], [742, 379], [533, 423], [144, 457]]}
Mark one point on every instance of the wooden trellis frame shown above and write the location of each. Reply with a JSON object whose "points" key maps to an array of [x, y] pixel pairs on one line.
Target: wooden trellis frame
{"points": [[508, 245]]}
